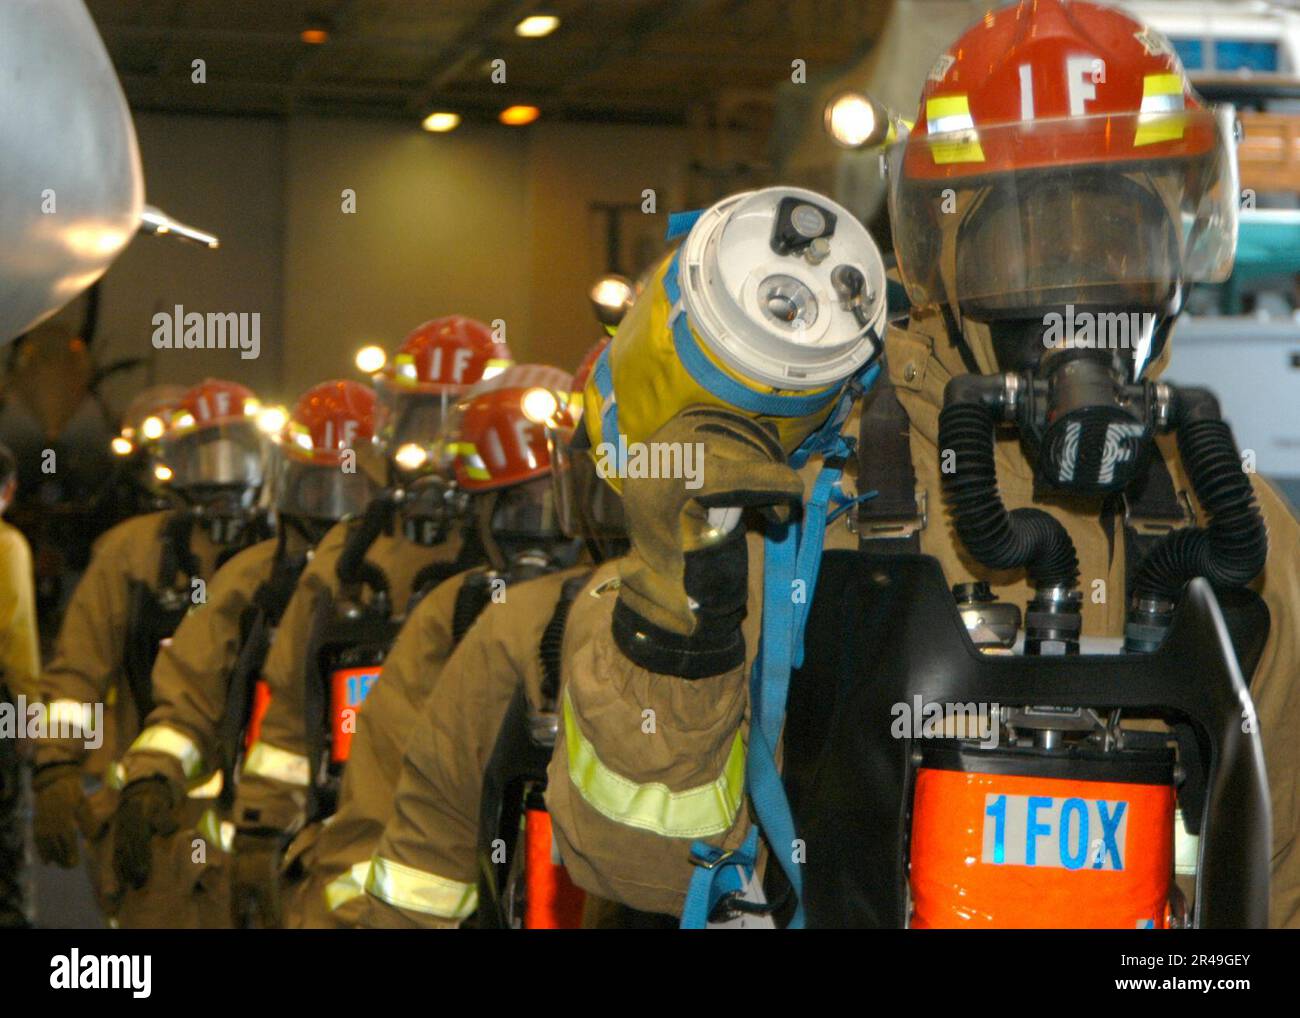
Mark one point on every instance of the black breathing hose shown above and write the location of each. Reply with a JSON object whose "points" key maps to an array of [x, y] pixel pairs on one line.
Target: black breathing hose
{"points": [[997, 538], [352, 567], [1232, 549]]}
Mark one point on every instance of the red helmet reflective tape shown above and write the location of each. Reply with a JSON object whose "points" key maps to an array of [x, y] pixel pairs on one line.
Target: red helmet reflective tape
{"points": [[327, 419], [1048, 61], [447, 355]]}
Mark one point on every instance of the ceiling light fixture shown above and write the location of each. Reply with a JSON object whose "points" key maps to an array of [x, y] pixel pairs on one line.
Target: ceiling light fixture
{"points": [[535, 26], [518, 116], [441, 122]]}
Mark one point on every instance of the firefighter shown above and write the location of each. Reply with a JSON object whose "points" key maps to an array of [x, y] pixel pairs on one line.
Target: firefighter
{"points": [[136, 448], [349, 603], [203, 683], [20, 664], [145, 574], [492, 709], [495, 437], [1050, 183]]}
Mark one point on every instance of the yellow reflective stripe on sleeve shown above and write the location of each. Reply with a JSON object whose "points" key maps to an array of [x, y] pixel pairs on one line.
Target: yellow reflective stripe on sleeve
{"points": [[950, 130], [69, 719], [215, 831], [692, 813], [208, 789], [267, 761], [409, 888], [168, 741], [1162, 117], [347, 886]]}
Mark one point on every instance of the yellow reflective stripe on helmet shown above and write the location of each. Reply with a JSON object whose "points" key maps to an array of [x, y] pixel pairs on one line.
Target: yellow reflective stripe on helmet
{"points": [[267, 761], [470, 459], [948, 117], [409, 888], [695, 812], [347, 886], [168, 741], [1162, 117]]}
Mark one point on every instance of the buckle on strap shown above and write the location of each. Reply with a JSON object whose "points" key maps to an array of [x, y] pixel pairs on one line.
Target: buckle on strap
{"points": [[1158, 526], [710, 857], [891, 527]]}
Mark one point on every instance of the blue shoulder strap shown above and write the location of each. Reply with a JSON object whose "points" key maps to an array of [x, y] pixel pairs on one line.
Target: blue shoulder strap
{"points": [[791, 563]]}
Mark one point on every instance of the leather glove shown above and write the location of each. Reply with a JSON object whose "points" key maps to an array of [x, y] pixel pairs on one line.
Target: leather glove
{"points": [[685, 586], [60, 803], [147, 809], [255, 880]]}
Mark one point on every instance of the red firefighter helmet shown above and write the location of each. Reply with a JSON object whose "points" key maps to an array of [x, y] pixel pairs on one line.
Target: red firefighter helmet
{"points": [[328, 419], [585, 505], [213, 444], [447, 355], [439, 361], [1060, 156], [147, 416], [496, 436], [214, 402]]}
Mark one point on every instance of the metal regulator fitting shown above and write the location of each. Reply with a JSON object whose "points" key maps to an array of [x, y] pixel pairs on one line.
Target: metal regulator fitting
{"points": [[785, 287]]}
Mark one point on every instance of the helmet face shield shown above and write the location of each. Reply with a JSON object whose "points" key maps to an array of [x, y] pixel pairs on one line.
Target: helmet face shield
{"points": [[321, 491], [225, 457], [1111, 213], [408, 420], [525, 514], [585, 505]]}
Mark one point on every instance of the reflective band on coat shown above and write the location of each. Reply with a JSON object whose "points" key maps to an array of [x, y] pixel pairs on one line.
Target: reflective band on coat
{"points": [[168, 741], [347, 886], [409, 888], [693, 813], [210, 788], [267, 761], [70, 719], [216, 831]]}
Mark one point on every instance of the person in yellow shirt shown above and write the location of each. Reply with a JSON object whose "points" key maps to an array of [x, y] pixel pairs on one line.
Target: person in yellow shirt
{"points": [[20, 663]]}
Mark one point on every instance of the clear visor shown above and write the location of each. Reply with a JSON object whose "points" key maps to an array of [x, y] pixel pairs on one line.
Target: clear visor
{"points": [[320, 492], [408, 419], [222, 456], [585, 505], [1113, 212], [526, 512]]}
